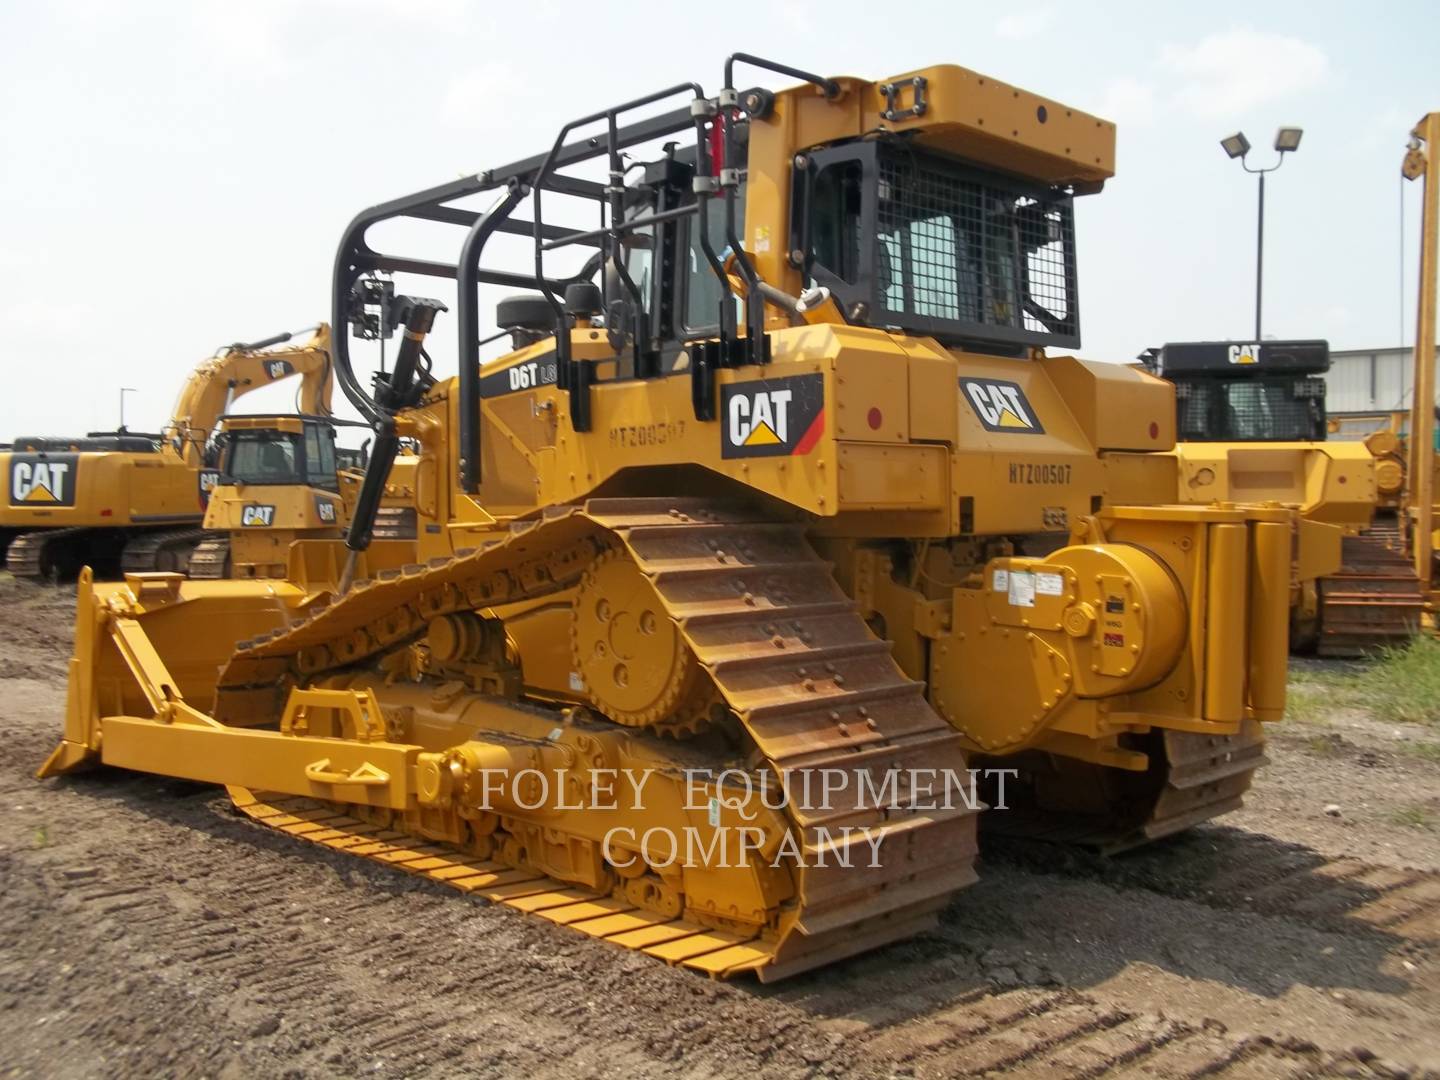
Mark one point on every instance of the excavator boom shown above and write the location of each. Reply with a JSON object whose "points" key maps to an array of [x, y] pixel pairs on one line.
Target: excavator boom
{"points": [[216, 384]]}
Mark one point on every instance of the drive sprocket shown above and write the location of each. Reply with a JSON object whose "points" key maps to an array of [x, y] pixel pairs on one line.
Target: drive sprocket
{"points": [[636, 665]]}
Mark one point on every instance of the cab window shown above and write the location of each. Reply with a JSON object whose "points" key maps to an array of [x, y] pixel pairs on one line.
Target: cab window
{"points": [[320, 457], [262, 457], [702, 287]]}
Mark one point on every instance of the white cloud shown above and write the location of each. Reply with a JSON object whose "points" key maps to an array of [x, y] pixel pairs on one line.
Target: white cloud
{"points": [[1128, 102], [1024, 24], [1233, 71]]}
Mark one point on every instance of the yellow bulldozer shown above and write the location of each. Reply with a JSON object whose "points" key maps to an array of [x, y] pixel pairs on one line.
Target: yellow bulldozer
{"points": [[775, 547], [280, 478], [276, 480], [1252, 426], [122, 502]]}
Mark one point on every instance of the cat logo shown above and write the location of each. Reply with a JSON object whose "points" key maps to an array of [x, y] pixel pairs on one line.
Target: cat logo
{"points": [[43, 479], [257, 516], [1244, 354], [325, 511], [208, 480], [278, 369], [772, 417], [1001, 405]]}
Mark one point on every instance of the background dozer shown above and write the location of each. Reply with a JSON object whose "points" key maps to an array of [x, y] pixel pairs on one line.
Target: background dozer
{"points": [[276, 480], [280, 478], [775, 521], [1252, 427], [121, 501]]}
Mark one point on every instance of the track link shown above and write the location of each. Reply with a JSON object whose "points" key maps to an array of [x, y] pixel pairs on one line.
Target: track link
{"points": [[1192, 778], [46, 552], [1375, 600], [165, 549], [210, 560], [789, 655]]}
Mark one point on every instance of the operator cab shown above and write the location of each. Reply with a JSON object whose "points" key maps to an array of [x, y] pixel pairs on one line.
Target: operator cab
{"points": [[277, 451], [1234, 391], [902, 236]]}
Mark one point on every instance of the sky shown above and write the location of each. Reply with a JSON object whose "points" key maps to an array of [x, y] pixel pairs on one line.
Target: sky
{"points": [[174, 176]]}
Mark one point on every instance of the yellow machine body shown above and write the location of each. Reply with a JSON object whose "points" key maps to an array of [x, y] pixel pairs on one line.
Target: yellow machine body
{"points": [[880, 558], [1332, 482], [253, 526], [262, 518], [121, 495]]}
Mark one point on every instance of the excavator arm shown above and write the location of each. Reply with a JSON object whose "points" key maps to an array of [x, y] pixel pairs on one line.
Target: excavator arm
{"points": [[237, 369]]}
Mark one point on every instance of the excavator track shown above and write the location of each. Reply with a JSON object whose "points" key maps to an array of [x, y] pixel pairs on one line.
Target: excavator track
{"points": [[211, 558], [1192, 778], [1374, 601], [164, 549], [789, 656], [44, 553]]}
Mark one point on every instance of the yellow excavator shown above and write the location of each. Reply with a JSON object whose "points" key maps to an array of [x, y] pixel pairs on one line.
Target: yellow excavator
{"points": [[122, 502], [1252, 426], [775, 547]]}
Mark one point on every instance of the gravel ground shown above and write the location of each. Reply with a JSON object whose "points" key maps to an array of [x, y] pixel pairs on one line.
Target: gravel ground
{"points": [[150, 930]]}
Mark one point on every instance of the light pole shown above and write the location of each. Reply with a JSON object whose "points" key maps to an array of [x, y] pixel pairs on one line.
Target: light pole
{"points": [[1287, 140], [123, 391]]}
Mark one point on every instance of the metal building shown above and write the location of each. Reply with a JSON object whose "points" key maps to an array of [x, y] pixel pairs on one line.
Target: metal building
{"points": [[1369, 380]]}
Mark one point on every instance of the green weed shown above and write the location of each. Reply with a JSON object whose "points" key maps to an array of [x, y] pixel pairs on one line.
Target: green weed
{"points": [[1412, 817], [1404, 684]]}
